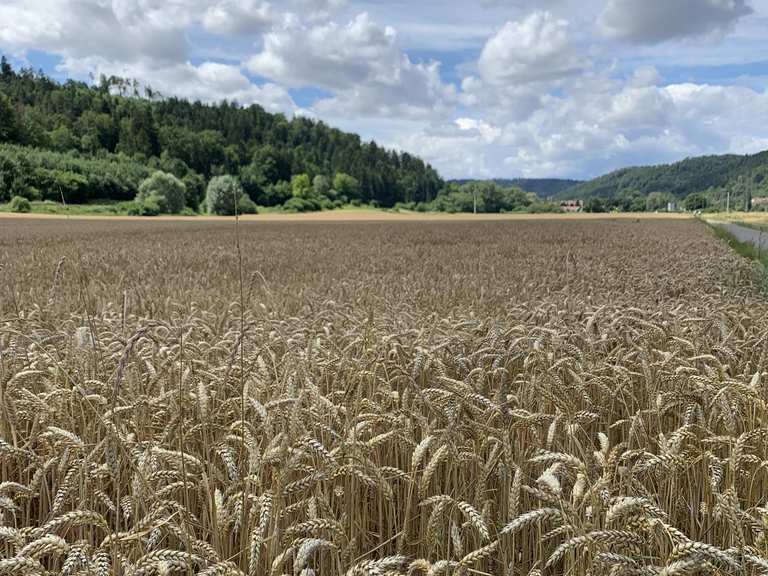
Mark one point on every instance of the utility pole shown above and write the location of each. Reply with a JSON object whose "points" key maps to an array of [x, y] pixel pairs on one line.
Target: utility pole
{"points": [[474, 196], [728, 202]]}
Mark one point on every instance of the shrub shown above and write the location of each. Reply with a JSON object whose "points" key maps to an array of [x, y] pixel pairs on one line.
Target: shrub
{"points": [[544, 208], [594, 204], [399, 206], [276, 194], [20, 204], [224, 193], [129, 208], [151, 206], [164, 191], [301, 205], [247, 206]]}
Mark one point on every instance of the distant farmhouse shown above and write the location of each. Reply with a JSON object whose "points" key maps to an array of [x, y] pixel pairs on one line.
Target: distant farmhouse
{"points": [[571, 206], [760, 203]]}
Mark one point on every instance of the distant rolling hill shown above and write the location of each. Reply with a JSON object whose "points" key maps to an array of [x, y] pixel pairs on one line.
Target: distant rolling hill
{"points": [[713, 175], [542, 187]]}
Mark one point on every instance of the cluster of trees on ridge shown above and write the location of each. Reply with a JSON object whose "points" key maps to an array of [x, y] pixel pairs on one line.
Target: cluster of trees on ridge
{"points": [[708, 182], [704, 183], [653, 202], [147, 188], [481, 196], [542, 187], [97, 143]]}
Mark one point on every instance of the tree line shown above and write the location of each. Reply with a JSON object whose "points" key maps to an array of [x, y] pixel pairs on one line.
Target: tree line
{"points": [[100, 142], [714, 182]]}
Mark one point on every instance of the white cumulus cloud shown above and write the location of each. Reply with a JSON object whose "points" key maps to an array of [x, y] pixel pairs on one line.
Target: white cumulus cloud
{"points": [[360, 63], [535, 49], [143, 39], [600, 124], [239, 17]]}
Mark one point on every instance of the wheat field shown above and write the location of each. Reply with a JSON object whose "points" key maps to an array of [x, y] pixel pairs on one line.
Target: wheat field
{"points": [[395, 398]]}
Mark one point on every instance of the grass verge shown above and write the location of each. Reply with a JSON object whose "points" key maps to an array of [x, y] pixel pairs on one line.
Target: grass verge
{"points": [[124, 209], [100, 209], [747, 250]]}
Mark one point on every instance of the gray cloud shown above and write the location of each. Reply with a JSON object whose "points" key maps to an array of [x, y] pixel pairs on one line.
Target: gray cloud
{"points": [[656, 21]]}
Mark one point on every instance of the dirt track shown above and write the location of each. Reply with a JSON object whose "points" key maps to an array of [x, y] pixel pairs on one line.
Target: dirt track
{"points": [[351, 216]]}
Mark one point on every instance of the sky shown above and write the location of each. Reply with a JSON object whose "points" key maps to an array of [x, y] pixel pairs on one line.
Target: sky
{"points": [[479, 88]]}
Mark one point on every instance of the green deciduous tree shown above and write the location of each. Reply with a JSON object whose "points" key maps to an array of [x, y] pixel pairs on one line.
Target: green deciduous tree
{"points": [[278, 193], [31, 128], [223, 195], [695, 201], [254, 182], [658, 201], [595, 204], [201, 150], [70, 185], [96, 131], [346, 186], [321, 185], [164, 190], [301, 186], [274, 164], [195, 184], [62, 139]]}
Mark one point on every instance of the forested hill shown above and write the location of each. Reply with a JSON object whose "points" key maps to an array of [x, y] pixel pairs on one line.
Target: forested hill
{"points": [[76, 127], [542, 187], [713, 176]]}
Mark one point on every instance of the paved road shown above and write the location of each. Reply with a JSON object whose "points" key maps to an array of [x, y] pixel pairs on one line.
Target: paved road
{"points": [[744, 234]]}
